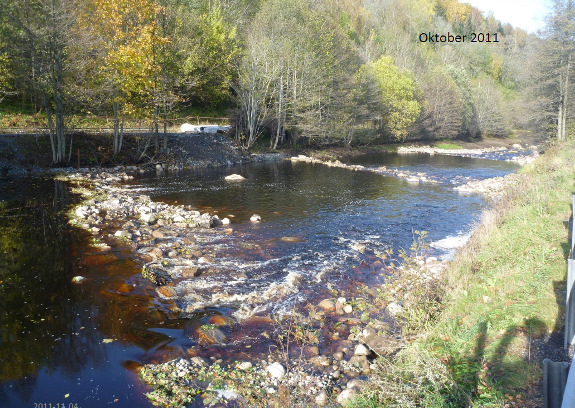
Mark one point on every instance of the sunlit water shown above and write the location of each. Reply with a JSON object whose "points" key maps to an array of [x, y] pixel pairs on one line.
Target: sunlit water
{"points": [[318, 224], [62, 343]]}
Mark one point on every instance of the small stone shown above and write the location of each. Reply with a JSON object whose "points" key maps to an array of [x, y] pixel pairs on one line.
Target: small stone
{"points": [[234, 177], [190, 272], [345, 396], [166, 291], [327, 304], [78, 279], [394, 308], [338, 355], [255, 218], [310, 351], [245, 365], [226, 221], [347, 309], [148, 218], [321, 398], [339, 304], [361, 350], [276, 370], [356, 384], [199, 361], [320, 361]]}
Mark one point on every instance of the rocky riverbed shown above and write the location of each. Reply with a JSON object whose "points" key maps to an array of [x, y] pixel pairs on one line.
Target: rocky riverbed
{"points": [[320, 354]]}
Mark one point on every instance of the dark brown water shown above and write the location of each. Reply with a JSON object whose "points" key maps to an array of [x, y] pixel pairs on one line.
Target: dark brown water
{"points": [[80, 344]]}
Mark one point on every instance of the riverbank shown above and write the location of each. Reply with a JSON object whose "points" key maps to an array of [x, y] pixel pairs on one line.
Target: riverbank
{"points": [[502, 312], [30, 153]]}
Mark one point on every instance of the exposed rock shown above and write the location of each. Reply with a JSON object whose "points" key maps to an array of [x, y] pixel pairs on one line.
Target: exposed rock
{"points": [[347, 309], [394, 308], [148, 218], [338, 355], [360, 362], [327, 304], [245, 365], [199, 361], [276, 370], [235, 177], [255, 218], [190, 272], [207, 334], [361, 350], [321, 398], [208, 221], [356, 384], [166, 291], [78, 279], [339, 304], [152, 253], [320, 361], [383, 345], [156, 274], [226, 221], [345, 396]]}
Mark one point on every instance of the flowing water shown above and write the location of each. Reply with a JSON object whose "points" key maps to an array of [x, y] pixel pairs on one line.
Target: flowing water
{"points": [[65, 344]]}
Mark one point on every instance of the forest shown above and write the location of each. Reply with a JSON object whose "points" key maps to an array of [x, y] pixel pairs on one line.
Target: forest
{"points": [[286, 72]]}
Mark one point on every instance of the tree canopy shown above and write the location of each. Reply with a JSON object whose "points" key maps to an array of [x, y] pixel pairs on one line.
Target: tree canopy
{"points": [[292, 71]]}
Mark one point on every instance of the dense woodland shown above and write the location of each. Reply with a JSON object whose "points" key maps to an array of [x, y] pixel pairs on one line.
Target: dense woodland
{"points": [[317, 72]]}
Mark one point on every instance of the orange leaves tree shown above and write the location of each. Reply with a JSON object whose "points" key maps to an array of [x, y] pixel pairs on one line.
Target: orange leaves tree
{"points": [[126, 36]]}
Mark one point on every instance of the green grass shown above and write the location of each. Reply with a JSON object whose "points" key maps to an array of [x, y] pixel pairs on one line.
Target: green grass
{"points": [[448, 145], [506, 288]]}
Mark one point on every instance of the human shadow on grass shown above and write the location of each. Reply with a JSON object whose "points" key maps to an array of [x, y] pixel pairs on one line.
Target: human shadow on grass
{"points": [[484, 376]]}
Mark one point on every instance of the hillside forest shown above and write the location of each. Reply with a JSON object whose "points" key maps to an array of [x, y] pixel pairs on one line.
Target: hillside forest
{"points": [[287, 72]]}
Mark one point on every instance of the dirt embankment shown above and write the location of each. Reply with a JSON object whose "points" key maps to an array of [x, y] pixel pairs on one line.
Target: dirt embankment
{"points": [[21, 154]]}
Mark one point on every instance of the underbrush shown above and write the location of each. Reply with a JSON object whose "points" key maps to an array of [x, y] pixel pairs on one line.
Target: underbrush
{"points": [[504, 290]]}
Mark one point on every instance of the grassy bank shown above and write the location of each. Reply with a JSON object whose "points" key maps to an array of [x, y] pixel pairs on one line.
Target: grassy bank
{"points": [[503, 312]]}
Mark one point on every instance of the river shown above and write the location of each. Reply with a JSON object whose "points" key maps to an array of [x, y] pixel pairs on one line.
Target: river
{"points": [[79, 345]]}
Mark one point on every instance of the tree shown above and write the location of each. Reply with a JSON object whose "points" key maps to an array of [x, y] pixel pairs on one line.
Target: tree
{"points": [[37, 45], [557, 59], [126, 34], [210, 66], [397, 94], [443, 107]]}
